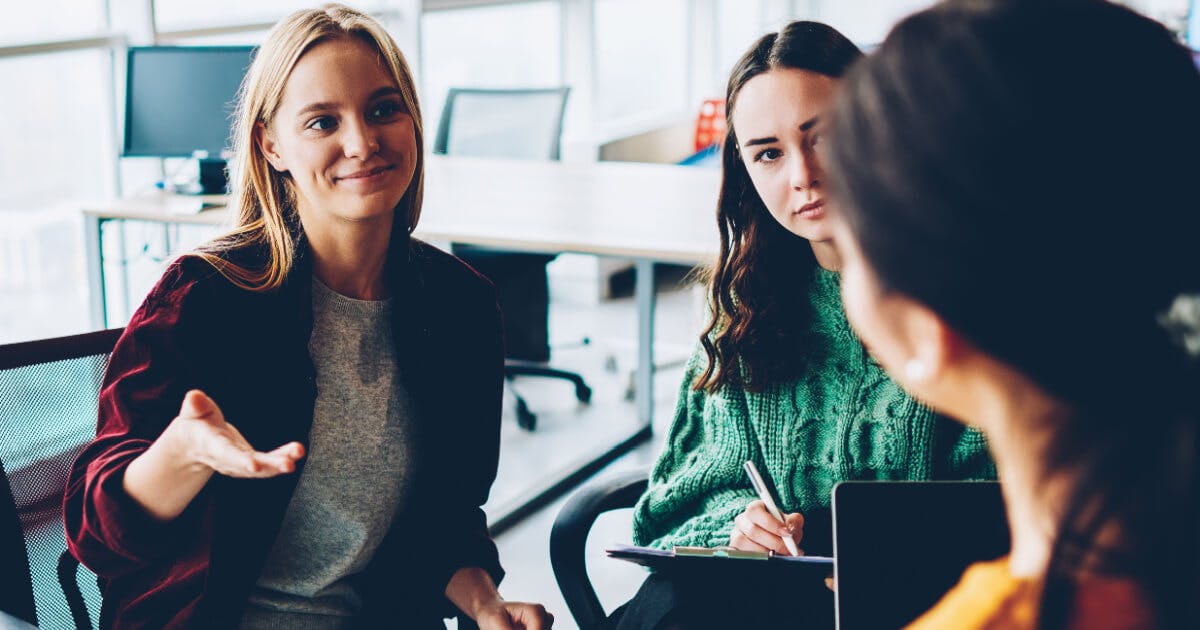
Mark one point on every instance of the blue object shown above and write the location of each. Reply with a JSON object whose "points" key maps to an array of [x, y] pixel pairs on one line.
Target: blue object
{"points": [[706, 158]]}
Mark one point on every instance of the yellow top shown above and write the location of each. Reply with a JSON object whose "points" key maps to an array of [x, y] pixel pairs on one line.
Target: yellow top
{"points": [[989, 597]]}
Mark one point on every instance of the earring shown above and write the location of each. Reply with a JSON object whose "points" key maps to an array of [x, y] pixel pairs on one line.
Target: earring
{"points": [[915, 370]]}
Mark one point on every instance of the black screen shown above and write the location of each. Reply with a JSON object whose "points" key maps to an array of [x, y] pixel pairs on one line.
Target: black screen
{"points": [[899, 546], [180, 99]]}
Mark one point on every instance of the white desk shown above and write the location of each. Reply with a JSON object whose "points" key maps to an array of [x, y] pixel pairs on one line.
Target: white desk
{"points": [[646, 212]]}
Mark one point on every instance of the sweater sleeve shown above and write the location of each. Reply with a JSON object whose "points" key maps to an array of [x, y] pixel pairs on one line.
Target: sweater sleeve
{"points": [[697, 486], [966, 455]]}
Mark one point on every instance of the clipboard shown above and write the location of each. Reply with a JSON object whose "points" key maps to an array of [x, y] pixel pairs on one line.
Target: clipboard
{"points": [[724, 563]]}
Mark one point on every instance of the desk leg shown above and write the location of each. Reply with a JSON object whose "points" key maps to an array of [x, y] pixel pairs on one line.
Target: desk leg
{"points": [[645, 296], [93, 239], [123, 248]]}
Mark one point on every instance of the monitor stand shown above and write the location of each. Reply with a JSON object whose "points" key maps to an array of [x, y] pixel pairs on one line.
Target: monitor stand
{"points": [[213, 180]]}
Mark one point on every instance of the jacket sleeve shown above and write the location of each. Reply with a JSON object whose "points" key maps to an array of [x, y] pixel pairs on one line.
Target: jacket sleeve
{"points": [[147, 376], [471, 468], [697, 487]]}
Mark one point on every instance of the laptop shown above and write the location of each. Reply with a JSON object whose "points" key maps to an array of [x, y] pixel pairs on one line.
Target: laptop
{"points": [[900, 545]]}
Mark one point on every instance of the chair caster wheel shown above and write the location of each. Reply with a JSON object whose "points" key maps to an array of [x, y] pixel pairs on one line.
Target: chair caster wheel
{"points": [[526, 419], [583, 393], [610, 364]]}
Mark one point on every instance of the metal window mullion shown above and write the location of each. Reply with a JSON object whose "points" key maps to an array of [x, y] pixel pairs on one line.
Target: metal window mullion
{"points": [[450, 5], [701, 54], [577, 59], [166, 37], [383, 15], [107, 40], [114, 154]]}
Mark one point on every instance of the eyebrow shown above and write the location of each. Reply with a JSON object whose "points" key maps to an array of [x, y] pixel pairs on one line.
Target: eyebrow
{"points": [[324, 106], [804, 127], [756, 141]]}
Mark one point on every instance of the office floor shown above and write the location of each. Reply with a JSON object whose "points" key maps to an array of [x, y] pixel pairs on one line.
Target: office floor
{"points": [[568, 430]]}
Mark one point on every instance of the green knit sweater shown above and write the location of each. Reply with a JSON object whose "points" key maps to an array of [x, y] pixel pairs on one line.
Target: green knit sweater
{"points": [[843, 418]]}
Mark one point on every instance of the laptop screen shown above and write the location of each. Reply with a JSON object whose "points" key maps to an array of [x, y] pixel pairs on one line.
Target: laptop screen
{"points": [[899, 546]]}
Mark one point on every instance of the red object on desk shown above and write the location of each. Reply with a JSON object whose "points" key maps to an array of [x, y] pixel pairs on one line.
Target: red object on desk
{"points": [[710, 124]]}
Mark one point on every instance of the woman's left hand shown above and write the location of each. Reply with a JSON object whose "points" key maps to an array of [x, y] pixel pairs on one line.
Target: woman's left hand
{"points": [[502, 615], [474, 592]]}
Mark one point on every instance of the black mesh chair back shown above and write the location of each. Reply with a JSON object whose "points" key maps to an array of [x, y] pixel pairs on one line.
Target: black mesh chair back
{"points": [[48, 406]]}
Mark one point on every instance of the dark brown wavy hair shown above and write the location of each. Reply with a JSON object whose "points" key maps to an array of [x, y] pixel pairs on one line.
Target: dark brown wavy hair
{"points": [[971, 161], [757, 289]]}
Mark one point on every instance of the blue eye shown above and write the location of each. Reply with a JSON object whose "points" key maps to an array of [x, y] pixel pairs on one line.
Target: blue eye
{"points": [[767, 155], [386, 109], [321, 123]]}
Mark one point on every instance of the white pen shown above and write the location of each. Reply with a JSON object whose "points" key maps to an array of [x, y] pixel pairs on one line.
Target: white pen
{"points": [[760, 487]]}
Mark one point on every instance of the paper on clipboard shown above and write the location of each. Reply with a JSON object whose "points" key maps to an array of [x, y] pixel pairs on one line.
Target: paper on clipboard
{"points": [[722, 560]]}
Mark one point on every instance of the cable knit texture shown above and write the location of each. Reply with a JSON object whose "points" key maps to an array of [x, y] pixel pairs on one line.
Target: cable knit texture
{"points": [[843, 418]]}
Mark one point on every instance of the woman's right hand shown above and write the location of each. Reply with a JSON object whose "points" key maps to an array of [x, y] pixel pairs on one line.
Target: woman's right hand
{"points": [[197, 443], [756, 530], [206, 439]]}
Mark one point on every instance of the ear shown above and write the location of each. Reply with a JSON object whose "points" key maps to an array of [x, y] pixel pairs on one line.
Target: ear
{"points": [[268, 146], [935, 347]]}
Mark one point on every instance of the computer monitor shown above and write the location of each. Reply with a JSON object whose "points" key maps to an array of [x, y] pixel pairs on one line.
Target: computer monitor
{"points": [[179, 102]]}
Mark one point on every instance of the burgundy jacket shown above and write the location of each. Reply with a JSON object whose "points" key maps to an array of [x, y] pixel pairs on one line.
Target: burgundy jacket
{"points": [[249, 352]]}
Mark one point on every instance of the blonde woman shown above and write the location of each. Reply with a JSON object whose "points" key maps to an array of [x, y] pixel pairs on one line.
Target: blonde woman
{"points": [[301, 421]]}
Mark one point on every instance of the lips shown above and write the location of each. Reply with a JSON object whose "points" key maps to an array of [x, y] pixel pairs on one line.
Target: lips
{"points": [[365, 173], [812, 209]]}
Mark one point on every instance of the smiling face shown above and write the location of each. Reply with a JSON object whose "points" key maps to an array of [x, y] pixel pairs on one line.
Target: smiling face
{"points": [[775, 118], [343, 135]]}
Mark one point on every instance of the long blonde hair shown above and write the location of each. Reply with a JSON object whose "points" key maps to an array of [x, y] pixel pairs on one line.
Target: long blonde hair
{"points": [[266, 216]]}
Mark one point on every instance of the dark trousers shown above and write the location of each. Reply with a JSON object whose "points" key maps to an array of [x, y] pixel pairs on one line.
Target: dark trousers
{"points": [[678, 603]]}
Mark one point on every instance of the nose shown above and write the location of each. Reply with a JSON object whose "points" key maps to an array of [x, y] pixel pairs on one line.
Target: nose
{"points": [[359, 140], [805, 172]]}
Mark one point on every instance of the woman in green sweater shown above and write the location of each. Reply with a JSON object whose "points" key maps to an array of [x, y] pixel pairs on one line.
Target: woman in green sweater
{"points": [[780, 380]]}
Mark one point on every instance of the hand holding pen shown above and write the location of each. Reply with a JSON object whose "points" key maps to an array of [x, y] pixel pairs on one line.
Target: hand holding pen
{"points": [[762, 527]]}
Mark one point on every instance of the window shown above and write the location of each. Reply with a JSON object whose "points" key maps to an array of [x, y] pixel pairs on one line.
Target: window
{"points": [[1173, 14], [739, 24], [176, 15], [506, 46], [640, 58], [866, 22], [239, 38], [55, 159], [51, 19]]}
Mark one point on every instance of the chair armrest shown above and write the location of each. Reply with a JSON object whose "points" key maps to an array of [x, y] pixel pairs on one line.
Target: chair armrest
{"points": [[568, 539], [68, 568]]}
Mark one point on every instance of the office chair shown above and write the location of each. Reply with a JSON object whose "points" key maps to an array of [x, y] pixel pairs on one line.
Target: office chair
{"points": [[527, 124], [16, 598], [48, 405], [568, 540]]}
